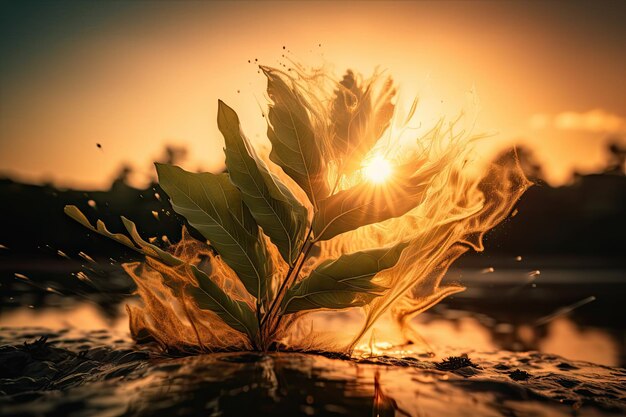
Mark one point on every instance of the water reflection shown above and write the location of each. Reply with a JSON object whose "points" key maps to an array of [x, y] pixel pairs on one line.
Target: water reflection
{"points": [[561, 337], [570, 341], [443, 330], [93, 373], [79, 315]]}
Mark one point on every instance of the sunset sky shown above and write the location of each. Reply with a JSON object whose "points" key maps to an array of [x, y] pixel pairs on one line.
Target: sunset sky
{"points": [[137, 76]]}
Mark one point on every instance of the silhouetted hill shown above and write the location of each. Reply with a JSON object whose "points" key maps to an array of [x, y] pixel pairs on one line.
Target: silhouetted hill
{"points": [[585, 219], [34, 222]]}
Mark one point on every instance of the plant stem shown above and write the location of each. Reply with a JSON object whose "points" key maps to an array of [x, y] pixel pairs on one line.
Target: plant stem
{"points": [[292, 275], [285, 284], [258, 319], [193, 325], [295, 274]]}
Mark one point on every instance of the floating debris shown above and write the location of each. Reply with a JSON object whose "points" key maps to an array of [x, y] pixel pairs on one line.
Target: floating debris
{"points": [[518, 258], [99, 146], [519, 375], [564, 310], [152, 239], [165, 239], [21, 276], [62, 254], [453, 363], [86, 257], [530, 280], [487, 270], [91, 203], [155, 214], [515, 212], [157, 196]]}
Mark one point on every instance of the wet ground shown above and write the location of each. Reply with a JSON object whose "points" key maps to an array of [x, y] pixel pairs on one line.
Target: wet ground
{"points": [[522, 344], [72, 373]]}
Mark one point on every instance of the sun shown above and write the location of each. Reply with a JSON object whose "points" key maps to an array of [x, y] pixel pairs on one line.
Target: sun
{"points": [[377, 169]]}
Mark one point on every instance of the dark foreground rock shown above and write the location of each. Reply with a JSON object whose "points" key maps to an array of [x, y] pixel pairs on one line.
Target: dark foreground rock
{"points": [[45, 373]]}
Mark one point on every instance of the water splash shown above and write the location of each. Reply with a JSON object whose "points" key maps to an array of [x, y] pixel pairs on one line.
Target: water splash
{"points": [[86, 257], [564, 310]]}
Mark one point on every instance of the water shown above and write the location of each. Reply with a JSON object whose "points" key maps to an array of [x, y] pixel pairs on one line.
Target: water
{"points": [[528, 358], [499, 310], [98, 373]]}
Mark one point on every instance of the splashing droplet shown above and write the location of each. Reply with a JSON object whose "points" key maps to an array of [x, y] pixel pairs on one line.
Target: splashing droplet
{"points": [[83, 277], [564, 310], [52, 290], [92, 203], [487, 270], [86, 257], [155, 214]]}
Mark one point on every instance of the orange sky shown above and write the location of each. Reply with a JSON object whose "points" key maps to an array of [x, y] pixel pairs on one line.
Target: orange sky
{"points": [[136, 76]]}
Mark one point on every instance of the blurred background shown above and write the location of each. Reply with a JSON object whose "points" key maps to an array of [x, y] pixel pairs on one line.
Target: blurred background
{"points": [[91, 93]]}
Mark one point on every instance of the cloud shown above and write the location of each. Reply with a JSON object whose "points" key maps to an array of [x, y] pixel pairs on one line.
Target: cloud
{"points": [[596, 121]]}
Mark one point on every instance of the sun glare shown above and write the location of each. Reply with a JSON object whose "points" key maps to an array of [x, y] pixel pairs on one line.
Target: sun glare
{"points": [[377, 170]]}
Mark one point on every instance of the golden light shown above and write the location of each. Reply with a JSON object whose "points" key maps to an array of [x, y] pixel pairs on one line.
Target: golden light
{"points": [[377, 169]]}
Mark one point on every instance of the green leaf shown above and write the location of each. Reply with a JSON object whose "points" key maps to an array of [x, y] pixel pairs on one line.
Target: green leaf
{"points": [[213, 205], [295, 147], [144, 247], [343, 282], [359, 117], [272, 205], [369, 203], [148, 248], [208, 295], [75, 213]]}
